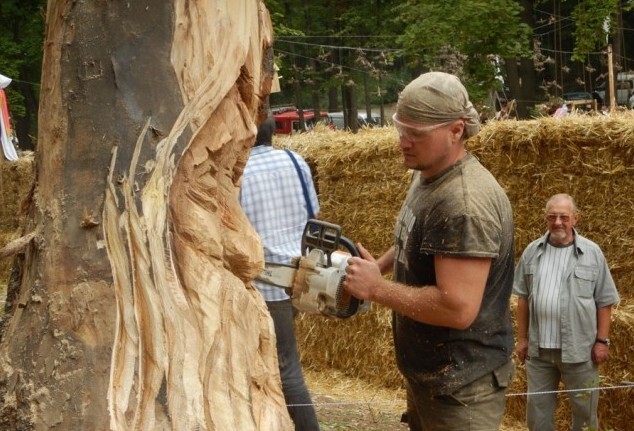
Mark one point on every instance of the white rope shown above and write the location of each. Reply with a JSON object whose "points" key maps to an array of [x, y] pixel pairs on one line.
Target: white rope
{"points": [[625, 385]]}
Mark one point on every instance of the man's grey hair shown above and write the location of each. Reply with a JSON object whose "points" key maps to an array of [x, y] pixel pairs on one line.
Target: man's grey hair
{"points": [[559, 197]]}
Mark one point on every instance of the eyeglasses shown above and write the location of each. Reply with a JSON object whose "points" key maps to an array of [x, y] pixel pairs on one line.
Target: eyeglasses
{"points": [[552, 218], [415, 133]]}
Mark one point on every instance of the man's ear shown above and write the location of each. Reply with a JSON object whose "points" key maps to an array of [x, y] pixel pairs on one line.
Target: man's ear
{"points": [[457, 129]]}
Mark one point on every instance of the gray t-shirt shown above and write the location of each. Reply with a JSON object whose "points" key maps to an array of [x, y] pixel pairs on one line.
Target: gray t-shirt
{"points": [[462, 211]]}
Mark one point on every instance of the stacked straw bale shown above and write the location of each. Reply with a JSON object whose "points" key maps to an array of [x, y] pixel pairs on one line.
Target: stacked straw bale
{"points": [[16, 179], [361, 184]]}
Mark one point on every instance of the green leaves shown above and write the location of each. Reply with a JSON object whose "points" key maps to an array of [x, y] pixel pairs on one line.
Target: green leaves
{"points": [[437, 34], [594, 21], [21, 39]]}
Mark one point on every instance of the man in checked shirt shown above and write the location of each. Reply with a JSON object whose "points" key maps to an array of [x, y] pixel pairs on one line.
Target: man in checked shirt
{"points": [[278, 197]]}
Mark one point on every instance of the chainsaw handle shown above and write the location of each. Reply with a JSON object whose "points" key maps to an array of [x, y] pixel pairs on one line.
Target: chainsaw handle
{"points": [[326, 237], [322, 235], [354, 303], [349, 245]]}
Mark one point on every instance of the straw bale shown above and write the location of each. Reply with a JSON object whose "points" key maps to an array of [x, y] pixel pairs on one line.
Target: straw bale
{"points": [[361, 184], [589, 157], [16, 179], [359, 178]]}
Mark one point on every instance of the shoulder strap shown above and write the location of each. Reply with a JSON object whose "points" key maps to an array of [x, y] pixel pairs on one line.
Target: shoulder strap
{"points": [[311, 214]]}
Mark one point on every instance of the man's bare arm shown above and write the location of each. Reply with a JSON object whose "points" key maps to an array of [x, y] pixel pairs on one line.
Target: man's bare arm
{"points": [[453, 302]]}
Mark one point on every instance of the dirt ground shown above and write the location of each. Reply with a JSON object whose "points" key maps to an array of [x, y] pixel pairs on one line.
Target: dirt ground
{"points": [[345, 404]]}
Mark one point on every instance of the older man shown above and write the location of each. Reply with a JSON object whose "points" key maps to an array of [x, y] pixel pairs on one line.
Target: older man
{"points": [[565, 297], [453, 266]]}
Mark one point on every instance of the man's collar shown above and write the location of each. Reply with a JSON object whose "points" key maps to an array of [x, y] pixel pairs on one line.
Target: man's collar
{"points": [[261, 149], [544, 240]]}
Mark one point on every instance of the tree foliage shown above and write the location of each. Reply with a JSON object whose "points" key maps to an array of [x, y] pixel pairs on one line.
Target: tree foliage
{"points": [[325, 45], [391, 37], [461, 36], [594, 22], [21, 38]]}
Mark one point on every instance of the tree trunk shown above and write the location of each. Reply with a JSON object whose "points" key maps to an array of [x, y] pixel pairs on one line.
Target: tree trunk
{"points": [[527, 99], [513, 78], [24, 125], [333, 99], [350, 111], [135, 309], [367, 97]]}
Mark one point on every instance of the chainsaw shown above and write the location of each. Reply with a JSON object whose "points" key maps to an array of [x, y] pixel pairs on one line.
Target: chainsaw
{"points": [[314, 280]]}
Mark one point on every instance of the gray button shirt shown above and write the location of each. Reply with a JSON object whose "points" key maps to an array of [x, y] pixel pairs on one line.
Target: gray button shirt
{"points": [[586, 286]]}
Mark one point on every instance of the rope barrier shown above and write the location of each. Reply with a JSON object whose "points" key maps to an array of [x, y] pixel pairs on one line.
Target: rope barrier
{"points": [[628, 385], [624, 385]]}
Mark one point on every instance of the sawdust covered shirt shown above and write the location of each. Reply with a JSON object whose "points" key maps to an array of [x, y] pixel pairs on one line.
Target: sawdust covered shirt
{"points": [[462, 211]]}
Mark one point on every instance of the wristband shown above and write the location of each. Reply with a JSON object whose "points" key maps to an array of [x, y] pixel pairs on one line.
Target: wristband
{"points": [[605, 341]]}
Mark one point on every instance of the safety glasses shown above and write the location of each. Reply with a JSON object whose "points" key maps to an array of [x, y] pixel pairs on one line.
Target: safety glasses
{"points": [[552, 218], [415, 133]]}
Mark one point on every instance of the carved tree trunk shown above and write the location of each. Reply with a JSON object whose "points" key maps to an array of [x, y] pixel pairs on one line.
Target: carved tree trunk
{"points": [[134, 309]]}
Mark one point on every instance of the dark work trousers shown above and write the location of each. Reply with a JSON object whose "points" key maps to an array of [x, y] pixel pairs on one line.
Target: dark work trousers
{"points": [[295, 391], [478, 406]]}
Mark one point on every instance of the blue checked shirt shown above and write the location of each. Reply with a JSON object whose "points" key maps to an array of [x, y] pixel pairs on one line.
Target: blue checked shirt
{"points": [[272, 199]]}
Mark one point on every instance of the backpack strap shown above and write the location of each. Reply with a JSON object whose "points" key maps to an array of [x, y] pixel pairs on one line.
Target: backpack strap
{"points": [[311, 214]]}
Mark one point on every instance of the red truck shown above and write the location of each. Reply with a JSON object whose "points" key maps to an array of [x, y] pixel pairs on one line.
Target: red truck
{"points": [[287, 120]]}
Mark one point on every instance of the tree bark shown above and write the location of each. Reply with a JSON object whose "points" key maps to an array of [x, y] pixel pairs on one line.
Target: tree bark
{"points": [[513, 77], [528, 93], [135, 309]]}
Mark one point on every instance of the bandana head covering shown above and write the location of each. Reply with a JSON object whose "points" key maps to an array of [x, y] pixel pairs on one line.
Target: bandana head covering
{"points": [[437, 97]]}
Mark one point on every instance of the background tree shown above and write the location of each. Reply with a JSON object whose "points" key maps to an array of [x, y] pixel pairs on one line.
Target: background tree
{"points": [[461, 36], [332, 45], [133, 308], [299, 60], [21, 35], [522, 90], [457, 35], [369, 27], [570, 40]]}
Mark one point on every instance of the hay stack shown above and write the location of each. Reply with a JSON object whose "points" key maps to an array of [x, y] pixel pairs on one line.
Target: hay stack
{"points": [[590, 158], [359, 180], [361, 184], [16, 179]]}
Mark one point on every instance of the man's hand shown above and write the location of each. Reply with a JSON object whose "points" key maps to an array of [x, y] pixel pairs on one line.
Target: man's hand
{"points": [[363, 275], [521, 349], [600, 353]]}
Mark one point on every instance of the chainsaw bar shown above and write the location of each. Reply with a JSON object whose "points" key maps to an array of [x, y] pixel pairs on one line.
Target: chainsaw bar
{"points": [[278, 274]]}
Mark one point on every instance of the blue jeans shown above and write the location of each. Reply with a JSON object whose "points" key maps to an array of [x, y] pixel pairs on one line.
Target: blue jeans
{"points": [[296, 394]]}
